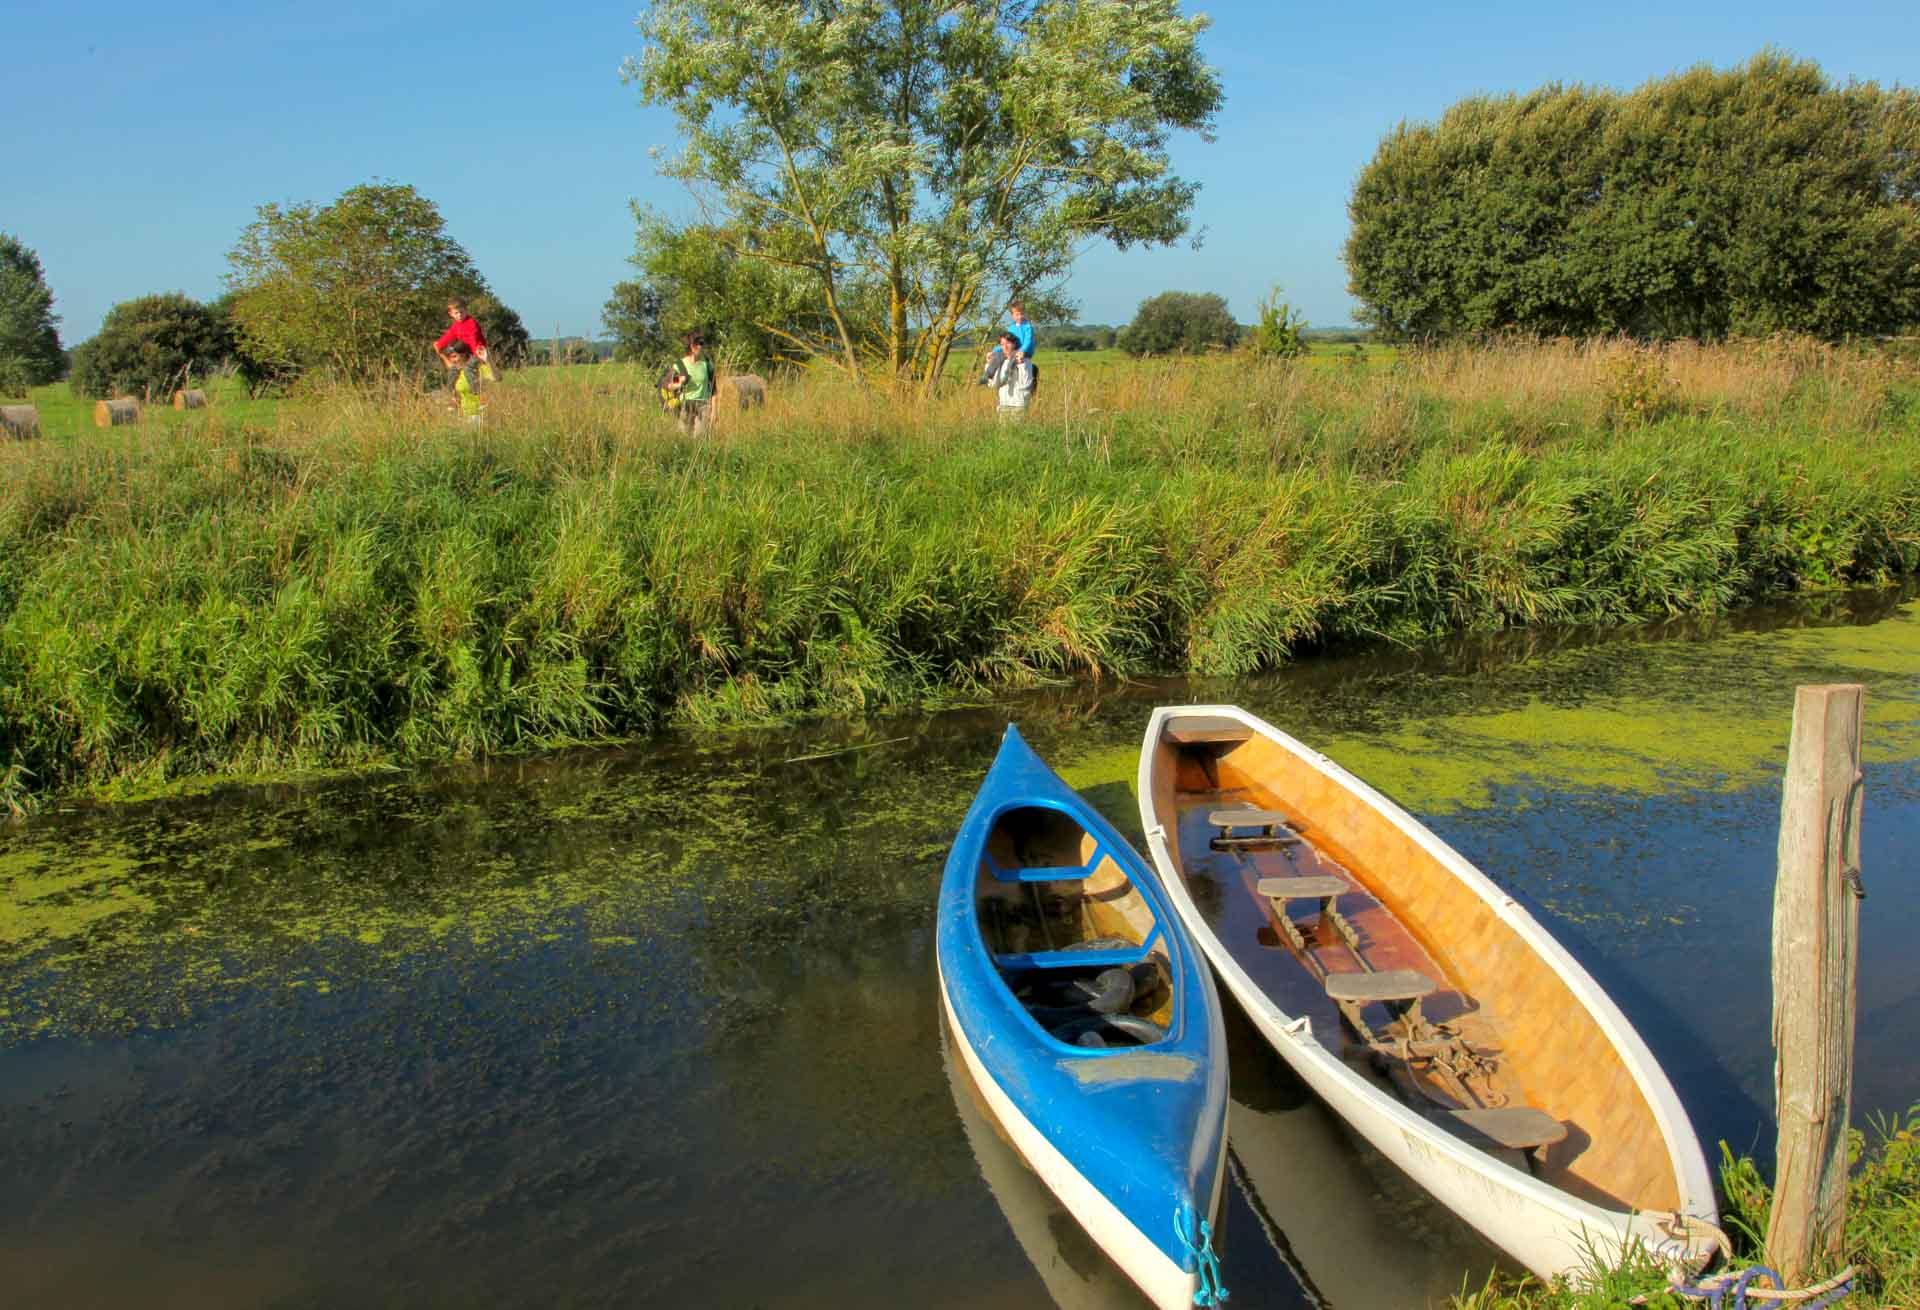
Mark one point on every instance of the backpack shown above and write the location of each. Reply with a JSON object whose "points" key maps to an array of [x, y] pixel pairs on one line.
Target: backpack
{"points": [[1036, 380], [669, 394]]}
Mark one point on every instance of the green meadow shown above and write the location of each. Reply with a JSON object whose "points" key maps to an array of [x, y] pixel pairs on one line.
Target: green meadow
{"points": [[353, 578]]}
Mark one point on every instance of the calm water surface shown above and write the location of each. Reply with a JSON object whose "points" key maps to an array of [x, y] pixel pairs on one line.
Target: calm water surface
{"points": [[658, 1027]]}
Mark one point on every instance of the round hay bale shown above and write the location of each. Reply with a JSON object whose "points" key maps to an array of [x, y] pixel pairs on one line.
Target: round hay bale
{"points": [[747, 389], [112, 413], [19, 421], [195, 399]]}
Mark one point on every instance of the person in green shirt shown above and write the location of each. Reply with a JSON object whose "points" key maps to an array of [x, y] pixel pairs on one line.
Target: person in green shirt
{"points": [[695, 386], [466, 382]]}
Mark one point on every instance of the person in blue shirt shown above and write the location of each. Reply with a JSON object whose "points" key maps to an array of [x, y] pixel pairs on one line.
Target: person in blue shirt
{"points": [[1022, 333]]}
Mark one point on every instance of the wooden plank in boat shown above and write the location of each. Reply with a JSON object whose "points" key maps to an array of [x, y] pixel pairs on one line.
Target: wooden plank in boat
{"points": [[1248, 819], [1519, 1127], [1285, 889], [1205, 729], [1393, 985]]}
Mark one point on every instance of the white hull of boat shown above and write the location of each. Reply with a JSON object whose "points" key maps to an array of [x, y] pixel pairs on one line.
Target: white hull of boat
{"points": [[1164, 1282], [1544, 1228]]}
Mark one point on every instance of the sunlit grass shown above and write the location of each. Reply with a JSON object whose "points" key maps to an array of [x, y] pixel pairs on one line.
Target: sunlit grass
{"points": [[358, 577], [1882, 1238]]}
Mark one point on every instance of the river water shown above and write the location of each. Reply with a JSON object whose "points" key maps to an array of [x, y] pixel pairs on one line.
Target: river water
{"points": [[657, 1027]]}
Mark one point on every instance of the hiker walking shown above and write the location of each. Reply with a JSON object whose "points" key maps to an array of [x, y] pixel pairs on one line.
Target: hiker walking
{"points": [[693, 384]]}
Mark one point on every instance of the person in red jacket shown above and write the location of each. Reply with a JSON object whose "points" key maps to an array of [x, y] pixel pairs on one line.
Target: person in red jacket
{"points": [[465, 329]]}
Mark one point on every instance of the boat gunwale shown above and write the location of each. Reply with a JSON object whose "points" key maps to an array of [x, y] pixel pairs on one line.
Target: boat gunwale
{"points": [[1684, 1157]]}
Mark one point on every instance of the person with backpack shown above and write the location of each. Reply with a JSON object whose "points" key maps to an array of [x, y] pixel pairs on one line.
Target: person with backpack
{"points": [[690, 384]]}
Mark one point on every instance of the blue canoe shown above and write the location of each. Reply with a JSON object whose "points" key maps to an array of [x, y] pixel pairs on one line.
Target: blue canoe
{"points": [[1089, 1022]]}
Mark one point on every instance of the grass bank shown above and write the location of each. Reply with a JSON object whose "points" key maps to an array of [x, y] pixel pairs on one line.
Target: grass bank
{"points": [[1882, 1237], [358, 580]]}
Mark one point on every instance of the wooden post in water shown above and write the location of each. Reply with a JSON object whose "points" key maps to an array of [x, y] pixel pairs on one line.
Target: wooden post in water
{"points": [[1816, 942]]}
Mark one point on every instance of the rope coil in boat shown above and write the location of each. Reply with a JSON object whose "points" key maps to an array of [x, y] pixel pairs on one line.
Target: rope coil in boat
{"points": [[1212, 1291]]}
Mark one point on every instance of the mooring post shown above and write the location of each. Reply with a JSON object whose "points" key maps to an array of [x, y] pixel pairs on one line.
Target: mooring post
{"points": [[1816, 943]]}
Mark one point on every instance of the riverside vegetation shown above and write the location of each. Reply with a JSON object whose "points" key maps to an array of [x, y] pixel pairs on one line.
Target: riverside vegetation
{"points": [[358, 581], [1882, 1236]]}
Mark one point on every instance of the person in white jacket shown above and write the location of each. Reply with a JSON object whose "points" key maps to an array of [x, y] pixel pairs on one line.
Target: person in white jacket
{"points": [[1015, 378]]}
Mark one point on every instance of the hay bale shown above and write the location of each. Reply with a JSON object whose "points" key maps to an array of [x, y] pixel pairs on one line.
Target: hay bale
{"points": [[21, 421], [112, 413], [195, 399], [747, 389]]}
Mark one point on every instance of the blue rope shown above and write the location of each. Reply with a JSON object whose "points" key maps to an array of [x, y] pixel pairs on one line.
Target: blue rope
{"points": [[1715, 1294], [1211, 1291]]}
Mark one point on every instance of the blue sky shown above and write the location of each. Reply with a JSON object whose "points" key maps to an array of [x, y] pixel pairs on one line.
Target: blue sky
{"points": [[155, 131]]}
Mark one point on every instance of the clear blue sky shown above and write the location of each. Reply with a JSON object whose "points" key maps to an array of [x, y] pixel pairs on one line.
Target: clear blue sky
{"points": [[151, 133]]}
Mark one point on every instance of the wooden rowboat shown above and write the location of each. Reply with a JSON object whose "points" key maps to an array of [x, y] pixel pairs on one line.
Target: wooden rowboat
{"points": [[1088, 1022], [1422, 1003]]}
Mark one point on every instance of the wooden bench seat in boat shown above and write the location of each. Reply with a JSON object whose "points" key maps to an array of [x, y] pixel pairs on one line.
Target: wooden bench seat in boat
{"points": [[1392, 985], [1515, 1128], [1300, 889], [1276, 829], [1206, 729]]}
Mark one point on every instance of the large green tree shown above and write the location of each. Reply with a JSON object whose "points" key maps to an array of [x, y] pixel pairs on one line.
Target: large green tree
{"points": [[151, 345], [29, 342], [908, 165], [356, 289], [1750, 200]]}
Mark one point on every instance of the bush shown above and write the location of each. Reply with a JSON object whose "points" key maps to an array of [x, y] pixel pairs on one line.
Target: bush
{"points": [[1277, 334], [1179, 323], [149, 346]]}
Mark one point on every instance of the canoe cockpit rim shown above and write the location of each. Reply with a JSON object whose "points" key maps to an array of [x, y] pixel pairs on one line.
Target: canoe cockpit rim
{"points": [[1161, 939]]}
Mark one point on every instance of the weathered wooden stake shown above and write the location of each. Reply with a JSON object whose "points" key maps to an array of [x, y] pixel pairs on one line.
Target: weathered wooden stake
{"points": [[1816, 943]]}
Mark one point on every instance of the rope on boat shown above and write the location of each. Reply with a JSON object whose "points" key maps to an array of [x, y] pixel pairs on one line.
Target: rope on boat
{"points": [[1211, 1291], [1715, 1288]]}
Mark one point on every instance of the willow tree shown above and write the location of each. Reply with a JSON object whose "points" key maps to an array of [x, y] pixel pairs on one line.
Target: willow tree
{"points": [[912, 163]]}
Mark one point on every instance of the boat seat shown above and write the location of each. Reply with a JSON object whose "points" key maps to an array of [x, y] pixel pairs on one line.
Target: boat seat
{"points": [[1042, 872], [1516, 1128], [1392, 985], [1206, 729], [1296, 889], [1101, 953], [1276, 829]]}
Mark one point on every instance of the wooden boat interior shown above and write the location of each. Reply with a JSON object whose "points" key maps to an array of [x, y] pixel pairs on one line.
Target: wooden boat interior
{"points": [[1342, 918], [1072, 936]]}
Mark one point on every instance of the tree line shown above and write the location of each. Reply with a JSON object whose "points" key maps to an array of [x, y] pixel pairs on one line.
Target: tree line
{"points": [[1711, 203]]}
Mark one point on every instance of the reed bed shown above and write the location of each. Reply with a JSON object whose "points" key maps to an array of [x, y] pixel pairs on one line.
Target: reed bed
{"points": [[363, 579]]}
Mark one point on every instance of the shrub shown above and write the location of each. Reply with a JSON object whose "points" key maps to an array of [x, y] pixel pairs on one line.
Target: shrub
{"points": [[1277, 334], [150, 346], [1179, 323]]}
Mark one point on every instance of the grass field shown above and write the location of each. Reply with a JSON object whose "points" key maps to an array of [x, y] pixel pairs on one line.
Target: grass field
{"points": [[342, 579]]}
